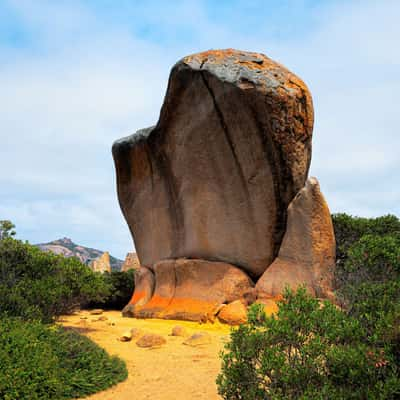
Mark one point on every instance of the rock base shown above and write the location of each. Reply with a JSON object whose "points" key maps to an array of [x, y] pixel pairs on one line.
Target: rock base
{"points": [[191, 290]]}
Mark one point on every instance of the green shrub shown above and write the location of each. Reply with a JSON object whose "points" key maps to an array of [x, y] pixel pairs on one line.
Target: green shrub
{"points": [[6, 229], [368, 251], [349, 229], [49, 362], [371, 260], [122, 286], [307, 351], [39, 285]]}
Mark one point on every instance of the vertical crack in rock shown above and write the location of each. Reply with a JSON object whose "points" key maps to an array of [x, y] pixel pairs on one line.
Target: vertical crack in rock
{"points": [[274, 161], [224, 127], [229, 140]]}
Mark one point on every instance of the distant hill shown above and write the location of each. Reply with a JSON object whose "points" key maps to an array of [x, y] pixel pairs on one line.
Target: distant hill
{"points": [[68, 248]]}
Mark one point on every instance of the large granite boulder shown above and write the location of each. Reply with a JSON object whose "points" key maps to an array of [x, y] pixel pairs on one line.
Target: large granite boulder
{"points": [[213, 179], [206, 191]]}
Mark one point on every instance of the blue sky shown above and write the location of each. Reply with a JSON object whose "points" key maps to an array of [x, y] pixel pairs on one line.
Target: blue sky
{"points": [[76, 75]]}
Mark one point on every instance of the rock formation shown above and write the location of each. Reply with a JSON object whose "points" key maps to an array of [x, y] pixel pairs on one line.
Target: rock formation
{"points": [[131, 262], [206, 191], [306, 256], [101, 264]]}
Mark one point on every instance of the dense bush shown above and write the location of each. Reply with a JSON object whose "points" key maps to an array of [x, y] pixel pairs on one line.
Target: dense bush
{"points": [[39, 285], [307, 351], [49, 362], [122, 285], [40, 361], [349, 229], [314, 352], [371, 260]]}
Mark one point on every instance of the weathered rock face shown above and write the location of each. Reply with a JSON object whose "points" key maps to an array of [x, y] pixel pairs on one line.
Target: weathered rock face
{"points": [[206, 192], [307, 253], [131, 262], [101, 264], [213, 179]]}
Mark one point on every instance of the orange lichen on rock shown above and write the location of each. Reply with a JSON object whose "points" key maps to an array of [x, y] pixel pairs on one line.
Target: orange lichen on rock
{"points": [[275, 78], [144, 288], [137, 296], [188, 309], [191, 310], [153, 308]]}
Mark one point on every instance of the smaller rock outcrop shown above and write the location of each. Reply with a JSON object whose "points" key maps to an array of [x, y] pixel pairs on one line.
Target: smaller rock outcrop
{"points": [[101, 264], [131, 262], [234, 313], [307, 254]]}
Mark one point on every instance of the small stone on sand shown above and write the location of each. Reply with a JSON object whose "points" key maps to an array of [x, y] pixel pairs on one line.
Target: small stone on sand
{"points": [[198, 339], [178, 330], [96, 311], [151, 341]]}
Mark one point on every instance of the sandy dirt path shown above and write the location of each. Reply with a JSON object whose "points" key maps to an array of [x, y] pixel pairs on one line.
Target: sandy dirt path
{"points": [[172, 372]]}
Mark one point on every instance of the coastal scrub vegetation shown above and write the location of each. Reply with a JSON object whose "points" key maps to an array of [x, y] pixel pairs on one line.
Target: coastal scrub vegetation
{"points": [[317, 350], [40, 359], [41, 285], [46, 361]]}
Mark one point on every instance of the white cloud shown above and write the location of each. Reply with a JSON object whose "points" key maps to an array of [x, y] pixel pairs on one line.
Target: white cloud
{"points": [[86, 81]]}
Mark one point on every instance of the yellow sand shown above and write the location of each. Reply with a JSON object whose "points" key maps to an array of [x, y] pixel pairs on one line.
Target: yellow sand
{"points": [[172, 372]]}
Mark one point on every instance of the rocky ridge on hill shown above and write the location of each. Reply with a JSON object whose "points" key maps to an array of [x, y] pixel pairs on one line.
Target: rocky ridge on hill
{"points": [[66, 247]]}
